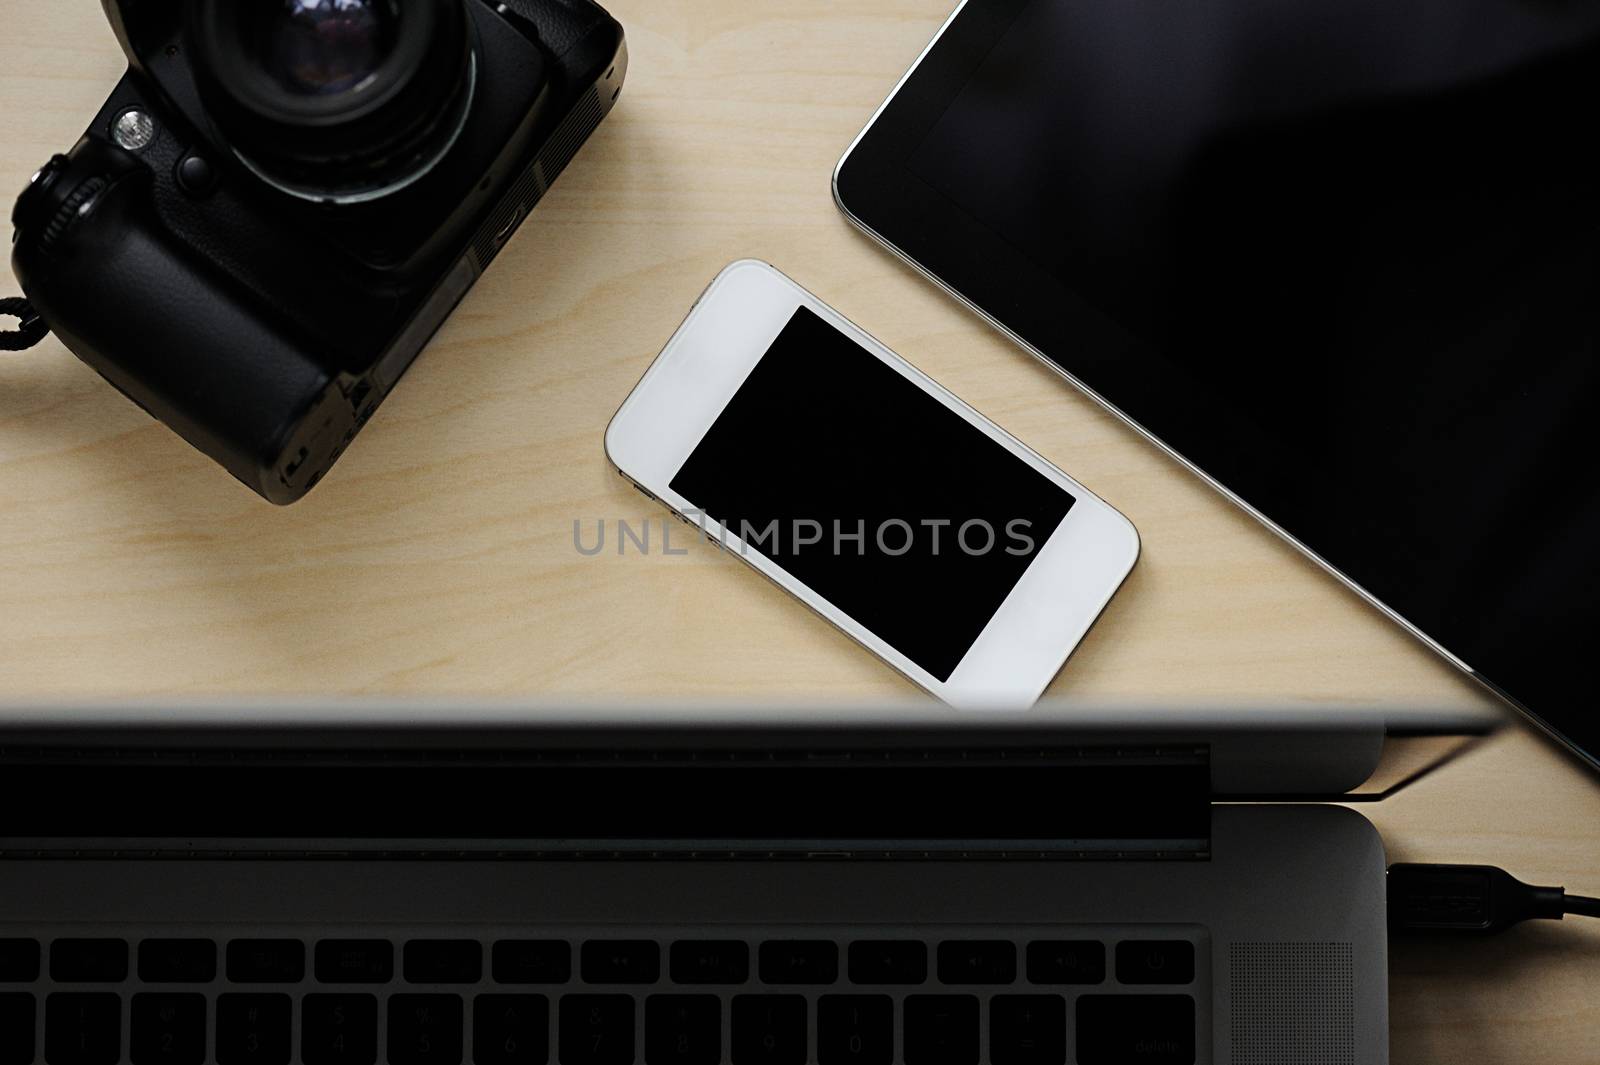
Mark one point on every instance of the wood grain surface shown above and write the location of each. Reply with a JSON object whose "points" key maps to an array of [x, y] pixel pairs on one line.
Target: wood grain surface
{"points": [[438, 557]]}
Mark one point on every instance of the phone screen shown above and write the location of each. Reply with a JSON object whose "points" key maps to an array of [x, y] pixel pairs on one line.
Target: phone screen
{"points": [[872, 493]]}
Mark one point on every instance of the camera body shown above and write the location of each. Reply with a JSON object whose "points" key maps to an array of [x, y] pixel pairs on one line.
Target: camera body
{"points": [[254, 240]]}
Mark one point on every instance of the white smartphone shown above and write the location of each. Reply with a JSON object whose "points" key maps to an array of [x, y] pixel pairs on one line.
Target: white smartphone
{"points": [[876, 497]]}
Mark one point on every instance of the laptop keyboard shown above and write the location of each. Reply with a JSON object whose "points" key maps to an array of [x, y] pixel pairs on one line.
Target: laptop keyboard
{"points": [[940, 996]]}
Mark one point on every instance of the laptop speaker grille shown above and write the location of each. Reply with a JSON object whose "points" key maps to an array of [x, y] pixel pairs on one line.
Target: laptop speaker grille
{"points": [[1292, 1003]]}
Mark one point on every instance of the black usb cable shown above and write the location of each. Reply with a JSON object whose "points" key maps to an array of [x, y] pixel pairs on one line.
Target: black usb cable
{"points": [[1473, 900]]}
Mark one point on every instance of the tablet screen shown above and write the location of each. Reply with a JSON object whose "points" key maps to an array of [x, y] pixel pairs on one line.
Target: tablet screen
{"points": [[1342, 255]]}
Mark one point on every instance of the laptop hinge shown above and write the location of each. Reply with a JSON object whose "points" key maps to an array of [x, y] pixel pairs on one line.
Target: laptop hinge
{"points": [[1078, 803]]}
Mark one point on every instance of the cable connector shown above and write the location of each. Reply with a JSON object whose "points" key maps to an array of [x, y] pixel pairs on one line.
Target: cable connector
{"points": [[1473, 900]]}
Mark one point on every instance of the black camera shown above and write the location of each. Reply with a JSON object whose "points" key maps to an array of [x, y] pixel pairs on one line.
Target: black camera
{"points": [[283, 199]]}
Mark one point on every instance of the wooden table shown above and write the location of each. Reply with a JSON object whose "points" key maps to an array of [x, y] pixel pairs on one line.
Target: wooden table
{"points": [[439, 555]]}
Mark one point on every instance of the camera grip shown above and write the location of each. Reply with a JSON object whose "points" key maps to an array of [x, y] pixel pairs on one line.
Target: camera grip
{"points": [[561, 24], [171, 332]]}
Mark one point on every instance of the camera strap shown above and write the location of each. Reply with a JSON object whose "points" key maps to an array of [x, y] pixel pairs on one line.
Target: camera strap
{"points": [[30, 332]]}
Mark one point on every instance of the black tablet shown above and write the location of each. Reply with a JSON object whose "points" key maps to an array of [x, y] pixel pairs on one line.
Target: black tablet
{"points": [[1342, 257]]}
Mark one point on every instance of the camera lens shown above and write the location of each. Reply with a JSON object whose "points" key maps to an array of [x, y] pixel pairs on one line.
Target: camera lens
{"points": [[319, 47], [336, 101]]}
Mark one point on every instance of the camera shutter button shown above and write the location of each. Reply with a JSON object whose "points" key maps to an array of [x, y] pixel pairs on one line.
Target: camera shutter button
{"points": [[196, 175]]}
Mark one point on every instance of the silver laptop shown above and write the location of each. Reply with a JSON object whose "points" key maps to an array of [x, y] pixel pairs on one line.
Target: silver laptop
{"points": [[438, 884]]}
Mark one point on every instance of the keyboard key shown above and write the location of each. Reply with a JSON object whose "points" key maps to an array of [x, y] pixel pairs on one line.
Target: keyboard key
{"points": [[168, 1029], [682, 1030], [855, 1030], [1066, 961], [16, 1028], [941, 1030], [510, 1030], [596, 1030], [1149, 1029], [977, 961], [799, 961], [355, 961], [707, 961], [443, 961], [769, 1030], [19, 960], [425, 1029], [621, 961], [532, 961], [89, 961], [253, 1030], [1155, 961], [886, 961], [82, 1029], [1027, 1030], [266, 961], [339, 1030], [177, 961]]}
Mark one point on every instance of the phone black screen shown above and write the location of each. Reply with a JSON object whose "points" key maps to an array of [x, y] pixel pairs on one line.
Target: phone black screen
{"points": [[873, 493]]}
